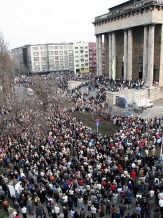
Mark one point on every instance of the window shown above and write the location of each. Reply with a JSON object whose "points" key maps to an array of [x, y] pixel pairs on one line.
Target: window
{"points": [[65, 52], [44, 68], [56, 62], [86, 64], [86, 47], [60, 47], [61, 62], [76, 47], [55, 47], [86, 56], [76, 56], [43, 47], [70, 47], [36, 59], [60, 52], [51, 57], [51, 62], [43, 53], [35, 48], [50, 47], [81, 51], [82, 65], [50, 52], [65, 47], [57, 67], [56, 58], [70, 52], [82, 60], [56, 52], [77, 65], [35, 53], [77, 61], [76, 52], [71, 56], [51, 67], [37, 69], [43, 63], [81, 47], [43, 58], [37, 64]]}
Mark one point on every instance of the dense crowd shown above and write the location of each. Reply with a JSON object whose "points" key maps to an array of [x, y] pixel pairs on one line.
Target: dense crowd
{"points": [[74, 172]]}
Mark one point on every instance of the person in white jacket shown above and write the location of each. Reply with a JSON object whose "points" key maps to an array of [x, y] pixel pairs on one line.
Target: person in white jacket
{"points": [[93, 211], [57, 209]]}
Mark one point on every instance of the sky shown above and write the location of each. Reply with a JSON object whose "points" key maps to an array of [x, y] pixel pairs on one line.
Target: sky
{"points": [[50, 21]]}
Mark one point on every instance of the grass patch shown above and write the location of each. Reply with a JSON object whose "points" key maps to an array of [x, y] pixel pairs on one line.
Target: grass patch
{"points": [[105, 127], [2, 213]]}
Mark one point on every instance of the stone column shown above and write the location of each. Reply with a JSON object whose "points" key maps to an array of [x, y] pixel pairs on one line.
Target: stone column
{"points": [[125, 61], [145, 54], [97, 55], [106, 50], [110, 55], [113, 56], [161, 59], [129, 72], [150, 55], [100, 54]]}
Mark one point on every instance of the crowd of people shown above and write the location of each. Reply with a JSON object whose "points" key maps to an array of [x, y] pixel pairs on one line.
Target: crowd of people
{"points": [[75, 172]]}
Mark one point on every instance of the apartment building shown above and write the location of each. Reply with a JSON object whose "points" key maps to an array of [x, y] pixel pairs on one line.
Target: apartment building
{"points": [[59, 58], [81, 57], [19, 57], [46, 58], [92, 58]]}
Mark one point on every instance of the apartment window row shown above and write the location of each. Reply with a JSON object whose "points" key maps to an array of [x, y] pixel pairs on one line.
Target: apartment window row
{"points": [[52, 53], [35, 48], [82, 65]]}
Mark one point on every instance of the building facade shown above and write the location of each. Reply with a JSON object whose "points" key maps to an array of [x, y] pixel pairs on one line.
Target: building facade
{"points": [[81, 57], [133, 41], [46, 58], [92, 58]]}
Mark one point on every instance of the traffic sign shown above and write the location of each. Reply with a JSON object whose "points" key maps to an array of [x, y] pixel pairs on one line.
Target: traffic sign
{"points": [[97, 120]]}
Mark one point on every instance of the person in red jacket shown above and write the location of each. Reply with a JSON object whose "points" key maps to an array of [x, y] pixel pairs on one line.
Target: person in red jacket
{"points": [[133, 174], [80, 182], [113, 187]]}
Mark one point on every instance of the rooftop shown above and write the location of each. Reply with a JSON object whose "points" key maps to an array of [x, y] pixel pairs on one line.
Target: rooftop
{"points": [[128, 7]]}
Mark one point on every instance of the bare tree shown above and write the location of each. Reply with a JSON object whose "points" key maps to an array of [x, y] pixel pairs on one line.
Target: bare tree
{"points": [[6, 71], [29, 112]]}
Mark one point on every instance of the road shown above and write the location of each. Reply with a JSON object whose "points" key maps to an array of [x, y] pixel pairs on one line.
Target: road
{"points": [[155, 111]]}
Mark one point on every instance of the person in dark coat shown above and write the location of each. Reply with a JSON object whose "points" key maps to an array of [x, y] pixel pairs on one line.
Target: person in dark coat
{"points": [[76, 215], [122, 208], [65, 211], [39, 212]]}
